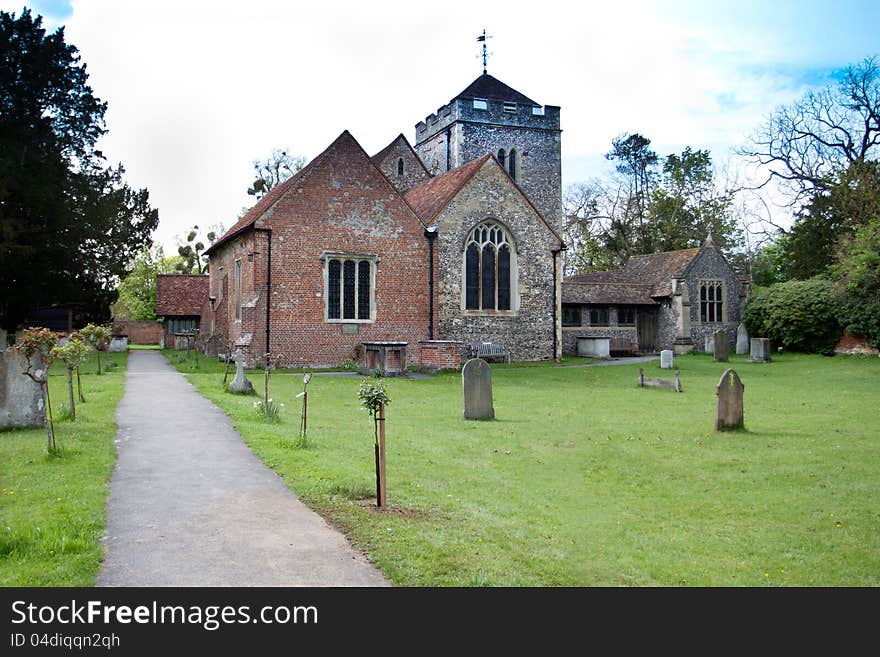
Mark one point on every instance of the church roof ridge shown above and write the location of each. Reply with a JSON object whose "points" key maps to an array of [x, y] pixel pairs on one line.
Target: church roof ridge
{"points": [[378, 157]]}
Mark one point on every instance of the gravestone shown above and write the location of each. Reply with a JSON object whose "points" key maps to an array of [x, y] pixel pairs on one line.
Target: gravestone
{"points": [[729, 410], [476, 384], [759, 351], [118, 343], [742, 340], [722, 347], [666, 359], [240, 384], [21, 398], [669, 384], [710, 344]]}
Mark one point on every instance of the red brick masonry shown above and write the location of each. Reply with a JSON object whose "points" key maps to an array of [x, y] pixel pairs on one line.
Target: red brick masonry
{"points": [[148, 332], [440, 354]]}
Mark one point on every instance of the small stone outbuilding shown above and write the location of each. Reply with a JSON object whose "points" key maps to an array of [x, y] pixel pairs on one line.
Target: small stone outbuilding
{"points": [[181, 300], [658, 301]]}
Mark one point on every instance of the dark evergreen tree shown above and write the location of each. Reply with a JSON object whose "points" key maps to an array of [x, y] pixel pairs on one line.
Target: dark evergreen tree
{"points": [[68, 223]]}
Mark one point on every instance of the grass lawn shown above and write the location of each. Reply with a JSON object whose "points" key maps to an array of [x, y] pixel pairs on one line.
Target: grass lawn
{"points": [[584, 479], [53, 508]]}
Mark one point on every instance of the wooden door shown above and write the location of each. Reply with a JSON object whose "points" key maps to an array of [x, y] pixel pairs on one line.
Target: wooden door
{"points": [[646, 325]]}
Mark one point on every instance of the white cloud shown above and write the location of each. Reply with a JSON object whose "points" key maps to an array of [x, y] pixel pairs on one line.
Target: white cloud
{"points": [[197, 90]]}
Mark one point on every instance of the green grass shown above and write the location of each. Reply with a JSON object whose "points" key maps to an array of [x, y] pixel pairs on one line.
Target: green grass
{"points": [[585, 479], [53, 508]]}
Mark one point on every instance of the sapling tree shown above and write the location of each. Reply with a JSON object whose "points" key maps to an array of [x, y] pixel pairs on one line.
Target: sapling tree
{"points": [[73, 354], [374, 397], [268, 409], [97, 337], [36, 345]]}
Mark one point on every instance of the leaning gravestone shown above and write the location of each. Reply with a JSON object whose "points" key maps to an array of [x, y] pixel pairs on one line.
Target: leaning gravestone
{"points": [[476, 384], [759, 351], [729, 410], [666, 359], [722, 347], [742, 340], [240, 384]]}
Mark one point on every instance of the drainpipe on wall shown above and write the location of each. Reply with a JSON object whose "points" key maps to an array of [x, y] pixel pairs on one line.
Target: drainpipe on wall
{"points": [[268, 232], [431, 235], [556, 253]]}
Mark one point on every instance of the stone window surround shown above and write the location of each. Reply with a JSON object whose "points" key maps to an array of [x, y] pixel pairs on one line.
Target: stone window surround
{"points": [[503, 156], [566, 309], [514, 272], [342, 256], [237, 292], [722, 285]]}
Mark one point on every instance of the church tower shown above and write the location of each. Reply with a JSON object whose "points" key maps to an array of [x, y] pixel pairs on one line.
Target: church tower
{"points": [[490, 117]]}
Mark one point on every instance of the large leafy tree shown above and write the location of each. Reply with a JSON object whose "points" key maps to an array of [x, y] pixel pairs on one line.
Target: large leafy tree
{"points": [[137, 290], [650, 205], [69, 224]]}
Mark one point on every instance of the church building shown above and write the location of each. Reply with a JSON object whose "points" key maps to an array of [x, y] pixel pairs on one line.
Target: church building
{"points": [[441, 244]]}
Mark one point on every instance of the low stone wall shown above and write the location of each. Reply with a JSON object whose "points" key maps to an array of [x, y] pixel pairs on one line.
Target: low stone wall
{"points": [[21, 401], [146, 332], [855, 345], [440, 354]]}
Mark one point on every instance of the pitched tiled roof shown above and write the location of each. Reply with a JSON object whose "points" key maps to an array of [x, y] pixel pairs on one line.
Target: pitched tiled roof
{"points": [[492, 88], [607, 293], [180, 294], [658, 269], [643, 277], [429, 198]]}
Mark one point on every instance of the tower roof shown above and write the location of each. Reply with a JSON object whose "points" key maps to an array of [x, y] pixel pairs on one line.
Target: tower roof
{"points": [[491, 88]]}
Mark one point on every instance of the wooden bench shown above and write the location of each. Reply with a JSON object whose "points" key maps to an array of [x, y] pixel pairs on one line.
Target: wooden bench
{"points": [[490, 351]]}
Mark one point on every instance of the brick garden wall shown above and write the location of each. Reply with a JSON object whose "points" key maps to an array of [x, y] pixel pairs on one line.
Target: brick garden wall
{"points": [[142, 332]]}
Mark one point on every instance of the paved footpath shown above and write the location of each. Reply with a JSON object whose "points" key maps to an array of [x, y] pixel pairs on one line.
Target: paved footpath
{"points": [[190, 505]]}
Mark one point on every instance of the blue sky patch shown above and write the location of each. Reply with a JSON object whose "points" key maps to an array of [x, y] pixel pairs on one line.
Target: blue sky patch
{"points": [[54, 9]]}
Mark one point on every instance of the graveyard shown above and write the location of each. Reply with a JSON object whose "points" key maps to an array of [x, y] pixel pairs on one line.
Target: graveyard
{"points": [[54, 506], [584, 478]]}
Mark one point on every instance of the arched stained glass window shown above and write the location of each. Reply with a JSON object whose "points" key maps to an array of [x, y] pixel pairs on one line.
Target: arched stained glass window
{"points": [[489, 268]]}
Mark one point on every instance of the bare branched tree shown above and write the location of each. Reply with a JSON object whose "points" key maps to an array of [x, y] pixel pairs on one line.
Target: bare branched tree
{"points": [[275, 169], [806, 145]]}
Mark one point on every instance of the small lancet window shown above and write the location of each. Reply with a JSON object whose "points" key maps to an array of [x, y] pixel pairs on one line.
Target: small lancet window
{"points": [[502, 157], [400, 166]]}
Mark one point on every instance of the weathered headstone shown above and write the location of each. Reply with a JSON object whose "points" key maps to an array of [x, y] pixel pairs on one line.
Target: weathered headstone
{"points": [[666, 359], [240, 384], [669, 384], [722, 347], [476, 384], [21, 399], [742, 340], [710, 344], [118, 343], [759, 351], [729, 410]]}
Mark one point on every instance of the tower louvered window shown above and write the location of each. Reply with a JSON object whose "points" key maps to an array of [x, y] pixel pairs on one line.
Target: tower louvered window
{"points": [[489, 268]]}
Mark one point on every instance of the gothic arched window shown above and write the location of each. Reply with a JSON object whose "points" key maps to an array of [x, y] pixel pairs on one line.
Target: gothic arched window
{"points": [[502, 157], [489, 268], [400, 166], [511, 163]]}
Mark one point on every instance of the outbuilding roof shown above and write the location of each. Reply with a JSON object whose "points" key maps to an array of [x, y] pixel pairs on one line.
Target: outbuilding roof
{"points": [[181, 294]]}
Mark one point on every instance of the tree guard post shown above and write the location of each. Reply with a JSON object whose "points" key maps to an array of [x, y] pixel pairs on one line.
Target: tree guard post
{"points": [[381, 495]]}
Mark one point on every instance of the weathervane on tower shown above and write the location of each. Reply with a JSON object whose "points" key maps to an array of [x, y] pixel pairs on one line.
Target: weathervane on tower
{"points": [[482, 39]]}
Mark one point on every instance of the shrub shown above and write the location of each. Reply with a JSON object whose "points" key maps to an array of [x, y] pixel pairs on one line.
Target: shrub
{"points": [[796, 315]]}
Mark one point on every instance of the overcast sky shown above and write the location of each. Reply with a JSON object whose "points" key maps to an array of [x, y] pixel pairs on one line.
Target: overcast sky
{"points": [[199, 89]]}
